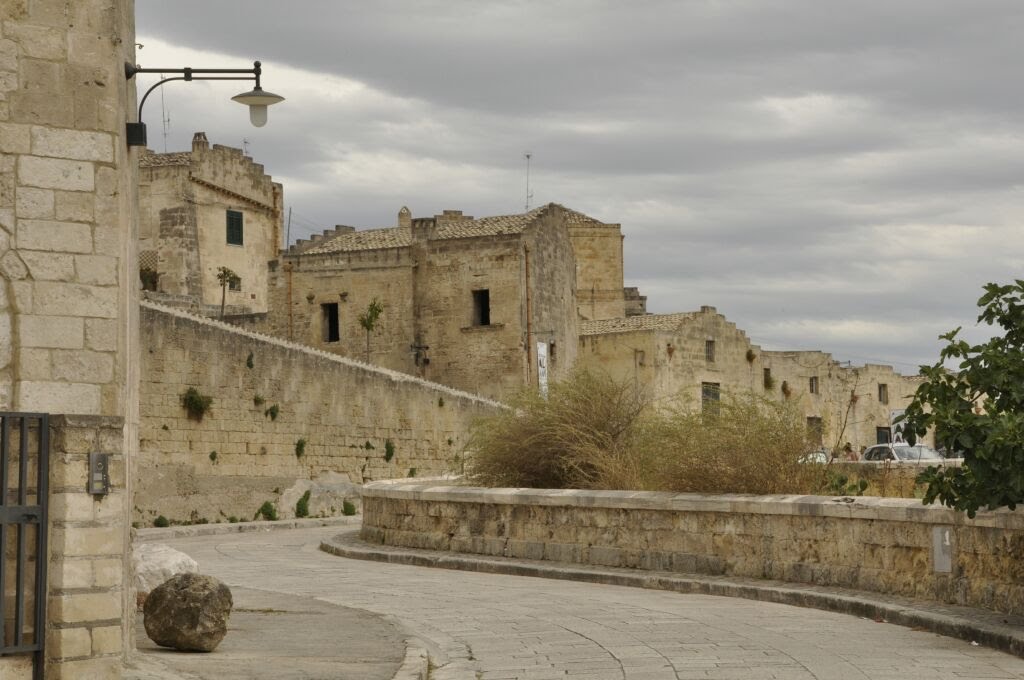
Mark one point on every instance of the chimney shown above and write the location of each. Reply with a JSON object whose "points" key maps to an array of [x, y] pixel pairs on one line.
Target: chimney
{"points": [[708, 309], [405, 217], [199, 142]]}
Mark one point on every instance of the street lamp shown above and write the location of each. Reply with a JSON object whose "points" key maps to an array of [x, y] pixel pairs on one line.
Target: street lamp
{"points": [[256, 99]]}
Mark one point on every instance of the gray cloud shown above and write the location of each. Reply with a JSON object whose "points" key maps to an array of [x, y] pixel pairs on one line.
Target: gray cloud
{"points": [[840, 176]]}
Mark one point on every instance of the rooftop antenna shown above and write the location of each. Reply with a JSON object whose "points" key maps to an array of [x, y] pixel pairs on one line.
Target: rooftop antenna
{"points": [[164, 117], [245, 146], [529, 194]]}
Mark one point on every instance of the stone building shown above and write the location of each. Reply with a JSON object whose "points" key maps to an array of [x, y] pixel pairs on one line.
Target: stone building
{"points": [[485, 305], [693, 358], [201, 210], [68, 321]]}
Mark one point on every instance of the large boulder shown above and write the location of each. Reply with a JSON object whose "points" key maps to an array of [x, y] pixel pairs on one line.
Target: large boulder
{"points": [[154, 563], [189, 612]]}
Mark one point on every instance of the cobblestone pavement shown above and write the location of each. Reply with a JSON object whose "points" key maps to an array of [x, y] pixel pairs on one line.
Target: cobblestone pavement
{"points": [[496, 627]]}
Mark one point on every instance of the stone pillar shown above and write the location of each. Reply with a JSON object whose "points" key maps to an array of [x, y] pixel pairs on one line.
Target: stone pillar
{"points": [[88, 580]]}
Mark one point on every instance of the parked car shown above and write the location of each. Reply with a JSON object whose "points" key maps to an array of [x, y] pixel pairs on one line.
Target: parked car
{"points": [[902, 453], [820, 456]]}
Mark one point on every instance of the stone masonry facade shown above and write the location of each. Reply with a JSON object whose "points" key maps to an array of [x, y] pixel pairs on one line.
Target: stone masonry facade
{"points": [[204, 209], [885, 545], [67, 300], [360, 421]]}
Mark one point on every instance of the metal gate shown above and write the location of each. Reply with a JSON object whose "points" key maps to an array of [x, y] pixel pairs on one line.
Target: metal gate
{"points": [[24, 473]]}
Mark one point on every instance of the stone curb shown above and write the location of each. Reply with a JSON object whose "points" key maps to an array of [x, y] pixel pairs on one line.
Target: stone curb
{"points": [[416, 665], [1002, 632], [166, 533]]}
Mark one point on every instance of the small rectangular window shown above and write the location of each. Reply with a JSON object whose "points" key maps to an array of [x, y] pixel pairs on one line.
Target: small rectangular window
{"points": [[234, 221], [768, 381], [883, 435], [710, 396], [235, 283], [709, 350], [481, 307], [883, 393], [812, 386], [329, 322], [815, 430]]}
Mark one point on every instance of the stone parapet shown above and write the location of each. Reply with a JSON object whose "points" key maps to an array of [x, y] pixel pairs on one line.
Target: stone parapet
{"points": [[893, 546]]}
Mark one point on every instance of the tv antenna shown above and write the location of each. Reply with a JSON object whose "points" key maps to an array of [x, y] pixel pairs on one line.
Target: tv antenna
{"points": [[165, 119], [245, 146], [529, 194]]}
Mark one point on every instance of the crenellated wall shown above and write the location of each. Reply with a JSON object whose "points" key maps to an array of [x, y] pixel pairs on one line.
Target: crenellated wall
{"points": [[356, 420]]}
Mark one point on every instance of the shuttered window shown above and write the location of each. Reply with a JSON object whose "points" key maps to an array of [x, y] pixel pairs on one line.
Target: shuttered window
{"points": [[234, 228]]}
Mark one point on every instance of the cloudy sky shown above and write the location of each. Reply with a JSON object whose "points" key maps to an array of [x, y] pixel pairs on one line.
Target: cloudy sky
{"points": [[829, 174]]}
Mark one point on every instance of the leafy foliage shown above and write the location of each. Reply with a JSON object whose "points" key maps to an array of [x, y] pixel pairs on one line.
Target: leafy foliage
{"points": [[977, 409], [272, 411], [368, 320], [389, 450], [196, 403], [302, 505], [267, 511], [161, 522], [300, 447], [348, 508]]}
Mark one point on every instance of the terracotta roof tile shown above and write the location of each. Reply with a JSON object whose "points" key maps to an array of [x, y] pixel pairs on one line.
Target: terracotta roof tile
{"points": [[448, 227], [152, 160], [630, 324]]}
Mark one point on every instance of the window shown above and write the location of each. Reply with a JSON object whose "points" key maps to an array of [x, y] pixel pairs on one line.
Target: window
{"points": [[815, 430], [235, 283], [709, 350], [768, 381], [481, 308], [234, 228], [812, 386], [883, 435], [883, 393], [329, 322], [710, 395]]}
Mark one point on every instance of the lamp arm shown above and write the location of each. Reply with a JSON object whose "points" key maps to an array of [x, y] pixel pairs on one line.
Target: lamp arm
{"points": [[189, 76]]}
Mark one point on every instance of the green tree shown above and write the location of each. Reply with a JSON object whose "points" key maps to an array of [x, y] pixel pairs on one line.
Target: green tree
{"points": [[226, 277], [977, 409], [368, 320]]}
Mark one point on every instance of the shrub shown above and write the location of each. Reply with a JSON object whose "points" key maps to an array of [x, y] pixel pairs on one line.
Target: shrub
{"points": [[195, 403], [599, 433], [213, 456], [272, 412], [161, 522], [258, 400], [348, 508], [300, 448], [267, 511], [248, 361], [233, 519], [411, 473], [302, 506], [440, 402], [389, 450], [368, 446]]}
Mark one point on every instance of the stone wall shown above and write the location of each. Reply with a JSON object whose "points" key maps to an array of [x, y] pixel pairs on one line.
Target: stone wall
{"points": [[892, 546], [88, 586], [67, 297], [349, 416], [599, 270], [668, 354]]}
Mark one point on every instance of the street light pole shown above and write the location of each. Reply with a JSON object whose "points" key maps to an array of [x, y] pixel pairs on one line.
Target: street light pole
{"points": [[256, 99]]}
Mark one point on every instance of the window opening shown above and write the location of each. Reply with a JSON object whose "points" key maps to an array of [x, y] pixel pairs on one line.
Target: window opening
{"points": [[813, 384], [883, 393], [710, 395], [234, 222], [709, 350], [482, 307], [329, 322]]}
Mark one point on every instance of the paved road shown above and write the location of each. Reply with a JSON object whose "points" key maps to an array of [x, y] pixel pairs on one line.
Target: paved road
{"points": [[493, 627]]}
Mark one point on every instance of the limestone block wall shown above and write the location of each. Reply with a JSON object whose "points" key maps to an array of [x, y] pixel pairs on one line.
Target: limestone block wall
{"points": [[88, 584], [599, 271], [353, 419], [890, 546]]}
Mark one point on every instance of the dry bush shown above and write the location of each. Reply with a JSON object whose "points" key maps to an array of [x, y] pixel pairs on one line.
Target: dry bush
{"points": [[599, 433], [750, 445], [551, 443]]}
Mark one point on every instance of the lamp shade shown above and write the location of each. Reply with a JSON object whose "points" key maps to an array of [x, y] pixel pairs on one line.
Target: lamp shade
{"points": [[258, 100]]}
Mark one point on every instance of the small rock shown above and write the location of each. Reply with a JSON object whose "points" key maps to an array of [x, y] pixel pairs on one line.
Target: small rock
{"points": [[189, 612], [154, 563]]}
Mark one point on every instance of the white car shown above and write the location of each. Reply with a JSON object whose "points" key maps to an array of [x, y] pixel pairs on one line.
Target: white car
{"points": [[903, 453]]}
